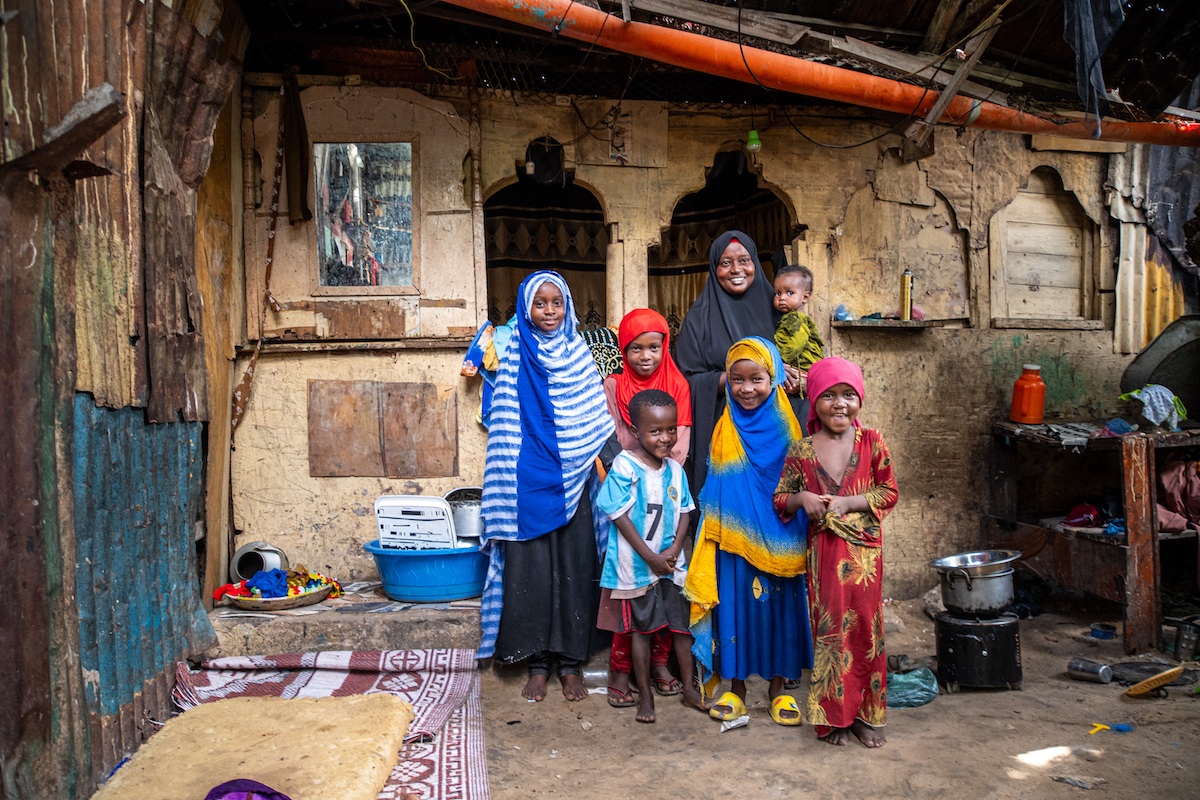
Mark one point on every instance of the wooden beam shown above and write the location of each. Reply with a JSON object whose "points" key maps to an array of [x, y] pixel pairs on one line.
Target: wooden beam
{"points": [[908, 64], [1143, 613], [919, 131], [875, 30], [1040, 142], [93, 116], [752, 23], [1031, 323], [1182, 112], [939, 26]]}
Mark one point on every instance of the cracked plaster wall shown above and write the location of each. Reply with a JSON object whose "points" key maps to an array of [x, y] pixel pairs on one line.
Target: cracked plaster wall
{"points": [[933, 393]]}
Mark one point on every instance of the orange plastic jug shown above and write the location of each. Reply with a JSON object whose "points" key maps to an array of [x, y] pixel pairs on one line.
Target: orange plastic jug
{"points": [[1029, 396]]}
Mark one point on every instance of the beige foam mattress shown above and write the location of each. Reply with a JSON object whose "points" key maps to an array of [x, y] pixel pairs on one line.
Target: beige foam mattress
{"points": [[308, 748]]}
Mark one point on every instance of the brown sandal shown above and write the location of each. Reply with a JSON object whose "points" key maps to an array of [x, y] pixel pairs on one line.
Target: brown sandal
{"points": [[619, 699]]}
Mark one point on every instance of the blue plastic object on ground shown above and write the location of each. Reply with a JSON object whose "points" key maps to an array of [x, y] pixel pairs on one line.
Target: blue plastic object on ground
{"points": [[909, 689], [430, 576]]}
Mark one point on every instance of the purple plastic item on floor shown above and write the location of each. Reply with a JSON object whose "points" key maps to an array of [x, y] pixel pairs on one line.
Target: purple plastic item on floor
{"points": [[244, 789]]}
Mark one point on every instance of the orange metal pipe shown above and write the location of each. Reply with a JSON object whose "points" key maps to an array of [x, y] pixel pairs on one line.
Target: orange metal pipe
{"points": [[796, 75]]}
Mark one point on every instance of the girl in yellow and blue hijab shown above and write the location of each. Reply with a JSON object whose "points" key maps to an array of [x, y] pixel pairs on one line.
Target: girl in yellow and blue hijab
{"points": [[746, 580]]}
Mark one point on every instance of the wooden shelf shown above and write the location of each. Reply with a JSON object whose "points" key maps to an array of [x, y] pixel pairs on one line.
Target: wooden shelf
{"points": [[1056, 524], [1044, 435], [907, 324], [1048, 324], [328, 346]]}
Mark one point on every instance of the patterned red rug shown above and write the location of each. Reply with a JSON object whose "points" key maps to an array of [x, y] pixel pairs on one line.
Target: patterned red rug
{"points": [[444, 756]]}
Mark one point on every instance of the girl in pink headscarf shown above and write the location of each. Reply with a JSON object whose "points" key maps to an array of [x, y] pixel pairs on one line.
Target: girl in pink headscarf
{"points": [[842, 477]]}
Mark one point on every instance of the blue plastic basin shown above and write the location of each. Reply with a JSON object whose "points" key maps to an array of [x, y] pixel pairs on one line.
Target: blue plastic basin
{"points": [[429, 576]]}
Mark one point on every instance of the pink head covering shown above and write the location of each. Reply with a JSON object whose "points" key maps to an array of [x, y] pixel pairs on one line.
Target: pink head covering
{"points": [[830, 372]]}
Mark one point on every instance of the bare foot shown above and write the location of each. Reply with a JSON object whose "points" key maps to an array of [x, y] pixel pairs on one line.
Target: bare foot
{"points": [[693, 699], [867, 735], [645, 712], [535, 689], [573, 688], [838, 736]]}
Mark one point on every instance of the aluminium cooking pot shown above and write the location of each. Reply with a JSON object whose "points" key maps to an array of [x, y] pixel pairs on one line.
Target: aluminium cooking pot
{"points": [[466, 506], [983, 596], [979, 562]]}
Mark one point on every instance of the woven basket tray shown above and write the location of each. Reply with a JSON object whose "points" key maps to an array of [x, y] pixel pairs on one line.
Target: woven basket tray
{"points": [[282, 603]]}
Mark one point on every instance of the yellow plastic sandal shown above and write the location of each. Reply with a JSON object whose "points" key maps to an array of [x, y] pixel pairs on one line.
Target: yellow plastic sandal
{"points": [[728, 707], [785, 704], [1154, 684]]}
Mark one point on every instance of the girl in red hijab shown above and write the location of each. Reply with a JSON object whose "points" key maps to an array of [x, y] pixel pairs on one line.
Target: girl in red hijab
{"points": [[842, 477], [644, 340]]}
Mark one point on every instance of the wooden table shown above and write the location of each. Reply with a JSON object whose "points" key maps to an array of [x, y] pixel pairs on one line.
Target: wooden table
{"points": [[1123, 569]]}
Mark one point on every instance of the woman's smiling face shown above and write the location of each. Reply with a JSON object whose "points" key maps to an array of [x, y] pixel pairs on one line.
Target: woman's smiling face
{"points": [[548, 309], [645, 354], [735, 269]]}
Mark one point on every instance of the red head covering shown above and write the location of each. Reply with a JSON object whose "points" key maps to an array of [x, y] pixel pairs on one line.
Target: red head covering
{"points": [[830, 372], [667, 377]]}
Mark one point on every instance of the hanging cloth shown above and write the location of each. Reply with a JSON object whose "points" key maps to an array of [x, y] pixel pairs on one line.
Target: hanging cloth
{"points": [[1089, 27], [296, 154]]}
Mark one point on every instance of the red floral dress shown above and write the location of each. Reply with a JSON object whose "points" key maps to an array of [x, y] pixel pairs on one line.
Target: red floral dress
{"points": [[845, 582]]}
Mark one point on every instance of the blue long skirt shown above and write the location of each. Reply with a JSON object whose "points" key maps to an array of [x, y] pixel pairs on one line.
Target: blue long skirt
{"points": [[759, 630]]}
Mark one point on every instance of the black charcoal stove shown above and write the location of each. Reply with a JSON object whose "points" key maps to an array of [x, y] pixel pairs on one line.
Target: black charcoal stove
{"points": [[978, 652]]}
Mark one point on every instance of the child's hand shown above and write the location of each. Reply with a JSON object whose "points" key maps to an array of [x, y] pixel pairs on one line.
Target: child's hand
{"points": [[660, 564], [841, 506], [813, 505]]}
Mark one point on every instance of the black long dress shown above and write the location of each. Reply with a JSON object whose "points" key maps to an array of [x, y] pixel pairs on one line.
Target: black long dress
{"points": [[552, 590], [714, 322]]}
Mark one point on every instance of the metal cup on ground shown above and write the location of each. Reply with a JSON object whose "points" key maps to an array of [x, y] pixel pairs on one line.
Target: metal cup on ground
{"points": [[1187, 636], [594, 677], [1083, 670]]}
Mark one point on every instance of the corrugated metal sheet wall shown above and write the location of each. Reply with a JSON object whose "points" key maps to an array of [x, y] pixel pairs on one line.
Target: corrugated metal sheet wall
{"points": [[1153, 289], [138, 494], [110, 307]]}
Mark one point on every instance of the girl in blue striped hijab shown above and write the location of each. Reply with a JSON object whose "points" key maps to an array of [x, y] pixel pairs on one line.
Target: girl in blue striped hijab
{"points": [[549, 421]]}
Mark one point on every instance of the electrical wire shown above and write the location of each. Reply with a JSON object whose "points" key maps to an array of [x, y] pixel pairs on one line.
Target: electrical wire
{"points": [[805, 136], [1017, 60], [412, 37], [579, 66], [927, 87]]}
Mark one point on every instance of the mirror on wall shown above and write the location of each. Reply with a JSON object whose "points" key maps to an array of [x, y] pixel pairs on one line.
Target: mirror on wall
{"points": [[364, 213]]}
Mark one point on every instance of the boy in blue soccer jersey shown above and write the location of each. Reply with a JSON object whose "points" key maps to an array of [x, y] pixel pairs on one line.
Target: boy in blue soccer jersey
{"points": [[646, 496]]}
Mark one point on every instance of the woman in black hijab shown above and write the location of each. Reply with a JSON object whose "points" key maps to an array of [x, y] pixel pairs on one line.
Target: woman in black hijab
{"points": [[736, 302]]}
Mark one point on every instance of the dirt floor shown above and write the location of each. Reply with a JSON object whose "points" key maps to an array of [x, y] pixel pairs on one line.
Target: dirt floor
{"points": [[978, 743]]}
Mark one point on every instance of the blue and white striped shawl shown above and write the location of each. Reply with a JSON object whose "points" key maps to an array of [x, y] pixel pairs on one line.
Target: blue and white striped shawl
{"points": [[549, 421]]}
